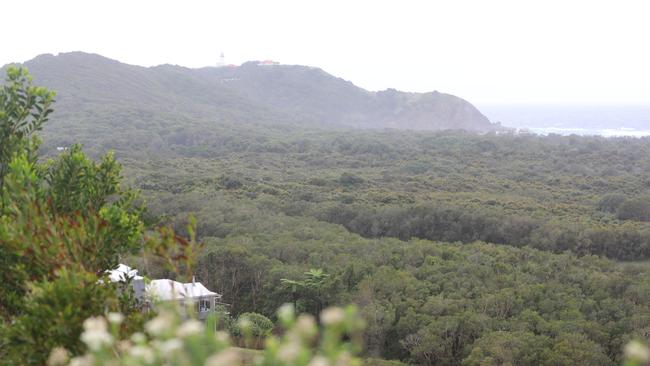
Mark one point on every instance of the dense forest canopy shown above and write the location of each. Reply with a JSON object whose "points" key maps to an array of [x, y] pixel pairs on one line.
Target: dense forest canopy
{"points": [[587, 195], [458, 248], [356, 204]]}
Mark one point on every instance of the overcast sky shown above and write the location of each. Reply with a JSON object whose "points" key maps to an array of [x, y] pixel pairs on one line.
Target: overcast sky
{"points": [[496, 51]]}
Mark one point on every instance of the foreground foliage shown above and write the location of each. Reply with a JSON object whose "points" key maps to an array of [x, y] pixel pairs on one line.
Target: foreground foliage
{"points": [[170, 340], [63, 224]]}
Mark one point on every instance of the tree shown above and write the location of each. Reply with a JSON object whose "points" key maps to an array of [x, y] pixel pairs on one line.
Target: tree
{"points": [[310, 288], [635, 209], [611, 202], [576, 349], [63, 224], [24, 109], [508, 348]]}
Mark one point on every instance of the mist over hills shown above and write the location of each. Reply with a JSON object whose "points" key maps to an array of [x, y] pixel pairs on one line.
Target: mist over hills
{"points": [[312, 93], [101, 90], [602, 120]]}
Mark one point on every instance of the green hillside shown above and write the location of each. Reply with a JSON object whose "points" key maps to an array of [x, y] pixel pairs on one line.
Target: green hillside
{"points": [[119, 95]]}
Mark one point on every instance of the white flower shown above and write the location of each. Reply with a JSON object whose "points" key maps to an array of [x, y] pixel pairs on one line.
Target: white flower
{"points": [[170, 346], [87, 360], [158, 325], [289, 352], [636, 351], [143, 353], [229, 357], [319, 361], [95, 335], [222, 337], [95, 340], [95, 324], [286, 313], [189, 328], [124, 346], [331, 316], [306, 326], [58, 357], [115, 318], [138, 338]]}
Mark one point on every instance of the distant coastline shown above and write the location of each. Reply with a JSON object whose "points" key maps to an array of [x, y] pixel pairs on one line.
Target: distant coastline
{"points": [[607, 132], [608, 121]]}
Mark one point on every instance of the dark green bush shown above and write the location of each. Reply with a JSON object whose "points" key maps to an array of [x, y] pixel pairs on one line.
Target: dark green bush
{"points": [[637, 209], [611, 202], [260, 326], [349, 179]]}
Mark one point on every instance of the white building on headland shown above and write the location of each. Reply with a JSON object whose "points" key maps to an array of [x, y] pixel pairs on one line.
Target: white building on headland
{"points": [[222, 60], [164, 290]]}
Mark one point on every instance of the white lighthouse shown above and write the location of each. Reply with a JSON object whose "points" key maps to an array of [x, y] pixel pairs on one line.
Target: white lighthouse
{"points": [[222, 61]]}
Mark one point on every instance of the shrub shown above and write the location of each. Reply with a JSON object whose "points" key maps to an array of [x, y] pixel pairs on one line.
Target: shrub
{"points": [[349, 179], [229, 182], [258, 325], [611, 202], [635, 209]]}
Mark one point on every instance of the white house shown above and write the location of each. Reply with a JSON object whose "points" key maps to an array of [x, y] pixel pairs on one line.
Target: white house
{"points": [[183, 293], [163, 290]]}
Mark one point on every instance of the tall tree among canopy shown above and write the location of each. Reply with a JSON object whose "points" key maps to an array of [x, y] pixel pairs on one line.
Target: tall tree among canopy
{"points": [[311, 288]]}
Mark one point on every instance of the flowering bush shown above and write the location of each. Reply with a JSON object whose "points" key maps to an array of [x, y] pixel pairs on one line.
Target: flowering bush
{"points": [[636, 354], [169, 340]]}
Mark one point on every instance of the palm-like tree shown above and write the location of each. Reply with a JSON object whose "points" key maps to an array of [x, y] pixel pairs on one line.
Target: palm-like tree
{"points": [[313, 283]]}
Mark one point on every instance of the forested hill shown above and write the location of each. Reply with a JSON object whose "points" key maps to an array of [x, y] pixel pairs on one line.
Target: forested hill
{"points": [[90, 85], [313, 93]]}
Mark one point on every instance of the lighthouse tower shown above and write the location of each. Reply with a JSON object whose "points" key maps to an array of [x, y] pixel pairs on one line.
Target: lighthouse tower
{"points": [[222, 61]]}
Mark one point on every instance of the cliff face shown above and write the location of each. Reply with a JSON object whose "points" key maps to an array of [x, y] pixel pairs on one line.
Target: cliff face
{"points": [[91, 85]]}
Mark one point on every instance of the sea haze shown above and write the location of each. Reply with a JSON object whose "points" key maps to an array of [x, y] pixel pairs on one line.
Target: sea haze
{"points": [[614, 120]]}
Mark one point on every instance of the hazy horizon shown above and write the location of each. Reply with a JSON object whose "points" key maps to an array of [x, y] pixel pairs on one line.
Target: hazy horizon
{"points": [[501, 51], [489, 104]]}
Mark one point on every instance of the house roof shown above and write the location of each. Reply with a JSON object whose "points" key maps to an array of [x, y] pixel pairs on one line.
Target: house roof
{"points": [[166, 289], [196, 289], [122, 273], [163, 289]]}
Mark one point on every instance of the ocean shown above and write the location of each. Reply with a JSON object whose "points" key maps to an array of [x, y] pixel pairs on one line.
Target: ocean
{"points": [[608, 121]]}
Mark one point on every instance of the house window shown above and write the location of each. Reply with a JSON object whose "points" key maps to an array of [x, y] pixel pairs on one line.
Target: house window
{"points": [[204, 305]]}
